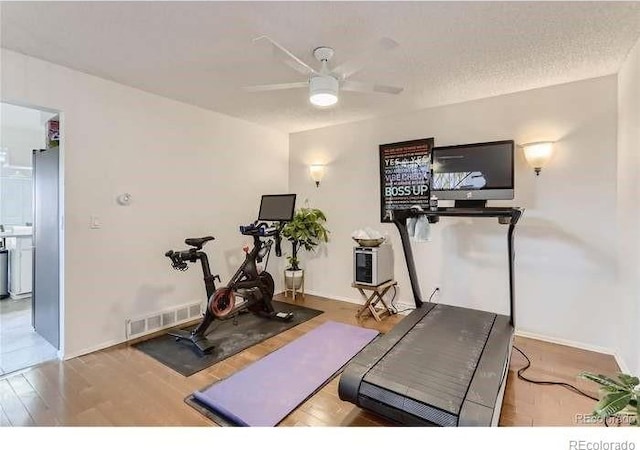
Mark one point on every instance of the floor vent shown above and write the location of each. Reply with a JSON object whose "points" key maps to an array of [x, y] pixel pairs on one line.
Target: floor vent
{"points": [[140, 326]]}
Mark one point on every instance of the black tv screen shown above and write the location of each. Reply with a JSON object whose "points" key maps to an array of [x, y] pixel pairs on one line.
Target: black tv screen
{"points": [[480, 171], [277, 208]]}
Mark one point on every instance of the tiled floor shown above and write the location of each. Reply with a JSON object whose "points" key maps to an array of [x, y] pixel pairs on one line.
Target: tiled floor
{"points": [[20, 346]]}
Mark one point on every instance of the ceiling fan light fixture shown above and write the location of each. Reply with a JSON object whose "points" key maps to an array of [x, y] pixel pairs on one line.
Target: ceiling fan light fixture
{"points": [[323, 90]]}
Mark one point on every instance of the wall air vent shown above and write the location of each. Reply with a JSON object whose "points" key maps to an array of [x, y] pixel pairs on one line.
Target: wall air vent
{"points": [[159, 320]]}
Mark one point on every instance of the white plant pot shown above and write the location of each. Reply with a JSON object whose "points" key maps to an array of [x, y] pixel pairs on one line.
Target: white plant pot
{"points": [[293, 279]]}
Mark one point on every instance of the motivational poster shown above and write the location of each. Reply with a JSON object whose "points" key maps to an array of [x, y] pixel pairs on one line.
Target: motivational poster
{"points": [[405, 176]]}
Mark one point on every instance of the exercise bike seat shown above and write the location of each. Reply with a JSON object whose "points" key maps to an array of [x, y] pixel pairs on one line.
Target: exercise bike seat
{"points": [[198, 242]]}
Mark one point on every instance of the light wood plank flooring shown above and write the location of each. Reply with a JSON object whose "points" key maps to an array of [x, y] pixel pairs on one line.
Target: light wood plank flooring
{"points": [[122, 386]]}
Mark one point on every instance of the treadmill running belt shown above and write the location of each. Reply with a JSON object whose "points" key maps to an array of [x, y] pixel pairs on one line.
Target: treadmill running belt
{"points": [[428, 372], [435, 361]]}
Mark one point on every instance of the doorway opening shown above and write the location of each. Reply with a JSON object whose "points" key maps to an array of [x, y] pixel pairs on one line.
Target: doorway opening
{"points": [[29, 237]]}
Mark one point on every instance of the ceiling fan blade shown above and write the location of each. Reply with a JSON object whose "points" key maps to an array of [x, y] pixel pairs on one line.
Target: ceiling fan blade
{"points": [[359, 86], [348, 68], [287, 57], [277, 86]]}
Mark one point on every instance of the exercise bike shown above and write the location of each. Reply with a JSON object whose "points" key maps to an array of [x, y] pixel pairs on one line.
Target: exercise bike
{"points": [[179, 260], [254, 287]]}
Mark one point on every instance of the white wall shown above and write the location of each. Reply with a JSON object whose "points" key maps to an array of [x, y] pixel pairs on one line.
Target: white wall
{"points": [[628, 211], [191, 172], [565, 243]]}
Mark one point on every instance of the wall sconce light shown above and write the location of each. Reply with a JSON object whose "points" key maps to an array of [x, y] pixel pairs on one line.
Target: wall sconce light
{"points": [[317, 172], [538, 154]]}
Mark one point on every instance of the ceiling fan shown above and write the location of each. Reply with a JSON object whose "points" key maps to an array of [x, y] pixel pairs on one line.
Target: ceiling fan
{"points": [[325, 83]]}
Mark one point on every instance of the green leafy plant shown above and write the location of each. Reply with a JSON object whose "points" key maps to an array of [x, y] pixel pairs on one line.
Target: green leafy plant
{"points": [[618, 397], [306, 231]]}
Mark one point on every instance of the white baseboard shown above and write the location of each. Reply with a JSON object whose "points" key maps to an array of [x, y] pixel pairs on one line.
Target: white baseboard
{"points": [[92, 349], [404, 307], [522, 333], [623, 366], [575, 344], [335, 297], [567, 342], [112, 342], [527, 334]]}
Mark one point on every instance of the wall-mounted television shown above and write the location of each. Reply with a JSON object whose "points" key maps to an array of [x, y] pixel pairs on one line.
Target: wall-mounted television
{"points": [[481, 171]]}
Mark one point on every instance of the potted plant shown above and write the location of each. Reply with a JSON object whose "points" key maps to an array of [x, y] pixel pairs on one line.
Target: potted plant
{"points": [[306, 231], [618, 397]]}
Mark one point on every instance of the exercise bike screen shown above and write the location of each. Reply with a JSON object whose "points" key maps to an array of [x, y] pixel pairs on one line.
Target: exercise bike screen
{"points": [[277, 207]]}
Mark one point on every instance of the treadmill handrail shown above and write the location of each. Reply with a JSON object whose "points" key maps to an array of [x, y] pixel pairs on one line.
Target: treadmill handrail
{"points": [[505, 215]]}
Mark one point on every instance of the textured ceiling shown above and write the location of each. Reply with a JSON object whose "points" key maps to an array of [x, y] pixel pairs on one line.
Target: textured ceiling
{"points": [[202, 52]]}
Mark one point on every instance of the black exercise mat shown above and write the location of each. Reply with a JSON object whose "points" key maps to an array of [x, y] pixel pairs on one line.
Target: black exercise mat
{"points": [[228, 338]]}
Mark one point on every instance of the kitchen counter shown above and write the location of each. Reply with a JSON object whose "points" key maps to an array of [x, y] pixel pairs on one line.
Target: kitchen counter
{"points": [[19, 242]]}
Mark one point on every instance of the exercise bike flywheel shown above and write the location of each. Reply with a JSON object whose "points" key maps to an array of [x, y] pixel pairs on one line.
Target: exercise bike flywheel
{"points": [[222, 302]]}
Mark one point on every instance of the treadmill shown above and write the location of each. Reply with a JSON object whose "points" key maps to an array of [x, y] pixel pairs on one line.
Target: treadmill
{"points": [[441, 365]]}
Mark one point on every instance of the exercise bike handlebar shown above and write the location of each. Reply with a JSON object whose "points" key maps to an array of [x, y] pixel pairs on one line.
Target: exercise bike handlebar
{"points": [[178, 260], [264, 230]]}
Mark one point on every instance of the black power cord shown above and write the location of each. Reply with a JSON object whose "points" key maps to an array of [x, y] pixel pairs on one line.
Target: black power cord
{"points": [[548, 383], [571, 387], [395, 308]]}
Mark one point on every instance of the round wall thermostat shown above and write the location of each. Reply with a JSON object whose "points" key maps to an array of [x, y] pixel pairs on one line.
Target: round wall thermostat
{"points": [[124, 199]]}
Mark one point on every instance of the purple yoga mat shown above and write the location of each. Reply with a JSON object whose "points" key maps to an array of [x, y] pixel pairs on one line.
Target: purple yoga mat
{"points": [[265, 392]]}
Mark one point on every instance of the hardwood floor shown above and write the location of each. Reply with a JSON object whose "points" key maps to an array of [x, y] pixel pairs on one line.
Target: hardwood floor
{"points": [[121, 386]]}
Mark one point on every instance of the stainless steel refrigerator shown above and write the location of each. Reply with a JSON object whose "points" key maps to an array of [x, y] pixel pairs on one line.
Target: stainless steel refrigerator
{"points": [[46, 245]]}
